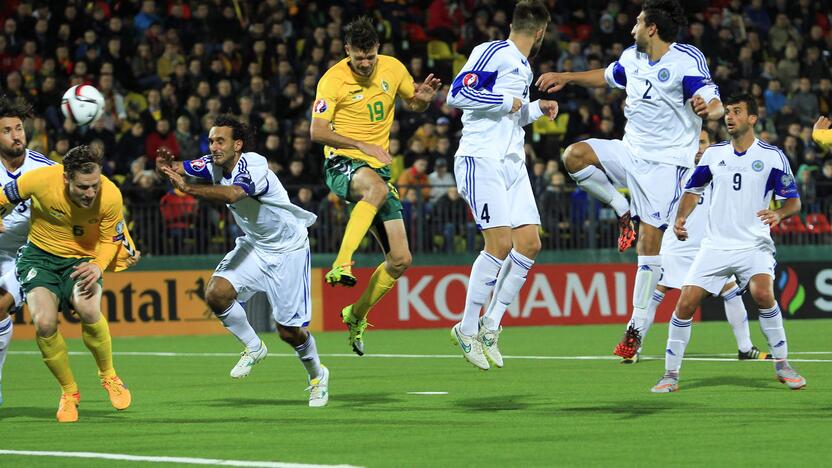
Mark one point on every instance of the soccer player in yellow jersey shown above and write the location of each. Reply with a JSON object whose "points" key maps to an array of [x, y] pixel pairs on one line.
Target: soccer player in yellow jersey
{"points": [[76, 232], [352, 116]]}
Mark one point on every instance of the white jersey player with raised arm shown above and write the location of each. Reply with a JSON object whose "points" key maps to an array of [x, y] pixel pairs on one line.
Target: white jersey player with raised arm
{"points": [[16, 226], [490, 169], [273, 256]]}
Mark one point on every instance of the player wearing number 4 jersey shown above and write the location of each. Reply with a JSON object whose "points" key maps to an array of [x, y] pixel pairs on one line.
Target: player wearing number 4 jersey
{"points": [[352, 116], [669, 92], [744, 174], [490, 169], [272, 257]]}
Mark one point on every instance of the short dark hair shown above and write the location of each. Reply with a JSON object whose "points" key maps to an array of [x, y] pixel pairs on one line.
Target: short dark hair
{"points": [[667, 15], [360, 34], [529, 16], [19, 108], [750, 102], [239, 130], [83, 159]]}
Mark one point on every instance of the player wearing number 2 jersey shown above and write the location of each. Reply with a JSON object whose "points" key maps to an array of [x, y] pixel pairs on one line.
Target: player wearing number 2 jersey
{"points": [[352, 116], [669, 92]]}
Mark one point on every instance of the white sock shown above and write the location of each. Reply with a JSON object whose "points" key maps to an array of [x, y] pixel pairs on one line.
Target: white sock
{"points": [[483, 278], [647, 277], [738, 318], [655, 300], [771, 321], [677, 339], [512, 276], [594, 182], [235, 320], [308, 355], [6, 328]]}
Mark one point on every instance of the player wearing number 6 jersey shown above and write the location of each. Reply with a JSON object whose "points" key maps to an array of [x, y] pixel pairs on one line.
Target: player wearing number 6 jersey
{"points": [[669, 92], [490, 169], [352, 116], [744, 175]]}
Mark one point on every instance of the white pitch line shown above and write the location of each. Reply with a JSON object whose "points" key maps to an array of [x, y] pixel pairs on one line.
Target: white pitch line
{"points": [[184, 460], [695, 357], [427, 393]]}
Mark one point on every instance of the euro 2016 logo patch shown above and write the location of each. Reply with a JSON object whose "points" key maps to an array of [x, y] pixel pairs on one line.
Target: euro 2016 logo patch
{"points": [[320, 106], [786, 180], [470, 80], [757, 165], [664, 75], [198, 164]]}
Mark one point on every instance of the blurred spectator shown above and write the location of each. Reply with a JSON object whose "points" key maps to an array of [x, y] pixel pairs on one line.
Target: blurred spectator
{"points": [[295, 177], [414, 178], [188, 144], [805, 102], [162, 137], [440, 179], [450, 213], [775, 99], [178, 213]]}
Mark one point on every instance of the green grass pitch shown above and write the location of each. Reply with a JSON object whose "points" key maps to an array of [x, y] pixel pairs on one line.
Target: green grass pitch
{"points": [[533, 412]]}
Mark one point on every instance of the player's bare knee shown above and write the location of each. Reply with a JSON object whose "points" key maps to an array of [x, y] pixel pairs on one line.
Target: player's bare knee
{"points": [[575, 157], [764, 298], [45, 327], [530, 247], [376, 194], [219, 295], [294, 336], [499, 246], [399, 263]]}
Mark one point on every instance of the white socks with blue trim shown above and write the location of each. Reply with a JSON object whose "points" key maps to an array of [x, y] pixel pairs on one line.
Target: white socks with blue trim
{"points": [[480, 284], [512, 277]]}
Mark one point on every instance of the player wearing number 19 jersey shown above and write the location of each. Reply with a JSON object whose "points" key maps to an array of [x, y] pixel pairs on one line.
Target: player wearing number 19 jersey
{"points": [[745, 174], [352, 116]]}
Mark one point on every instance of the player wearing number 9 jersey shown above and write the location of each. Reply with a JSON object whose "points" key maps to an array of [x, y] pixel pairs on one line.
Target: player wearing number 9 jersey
{"points": [[352, 116], [745, 175]]}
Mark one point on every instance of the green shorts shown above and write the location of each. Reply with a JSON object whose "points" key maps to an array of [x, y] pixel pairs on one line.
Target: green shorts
{"points": [[38, 268], [338, 172]]}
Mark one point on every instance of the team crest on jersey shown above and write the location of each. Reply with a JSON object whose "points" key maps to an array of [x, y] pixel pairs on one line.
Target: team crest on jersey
{"points": [[198, 164], [664, 75], [385, 86], [120, 227], [320, 106], [470, 80], [757, 165]]}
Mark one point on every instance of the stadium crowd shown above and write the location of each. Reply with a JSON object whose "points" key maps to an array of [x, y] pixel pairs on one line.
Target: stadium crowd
{"points": [[168, 68]]}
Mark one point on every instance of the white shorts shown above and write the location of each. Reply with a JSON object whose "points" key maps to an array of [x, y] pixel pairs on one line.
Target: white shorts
{"points": [[655, 188], [711, 268], [675, 269], [284, 277], [498, 191], [8, 279]]}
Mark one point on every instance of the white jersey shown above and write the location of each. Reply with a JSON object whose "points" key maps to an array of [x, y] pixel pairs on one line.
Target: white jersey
{"points": [[695, 224], [661, 125], [495, 74], [17, 223], [267, 217], [743, 184]]}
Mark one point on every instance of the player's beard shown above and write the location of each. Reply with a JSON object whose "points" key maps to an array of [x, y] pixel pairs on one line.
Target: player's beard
{"points": [[14, 151], [641, 45]]}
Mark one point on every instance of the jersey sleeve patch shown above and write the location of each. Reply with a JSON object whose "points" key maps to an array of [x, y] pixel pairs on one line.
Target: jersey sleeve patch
{"points": [[783, 184], [12, 192], [476, 80], [320, 106], [197, 168], [243, 180]]}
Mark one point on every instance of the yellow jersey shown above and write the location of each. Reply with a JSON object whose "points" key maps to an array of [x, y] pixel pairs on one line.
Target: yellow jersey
{"points": [[823, 137], [362, 108], [61, 227]]}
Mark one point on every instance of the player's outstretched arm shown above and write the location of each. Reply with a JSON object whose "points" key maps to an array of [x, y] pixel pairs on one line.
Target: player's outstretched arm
{"points": [[320, 132], [553, 82], [423, 94], [218, 193], [713, 110], [821, 133], [164, 158]]}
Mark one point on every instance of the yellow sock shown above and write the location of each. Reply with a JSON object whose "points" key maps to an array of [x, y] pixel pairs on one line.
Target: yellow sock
{"points": [[97, 338], [55, 357], [379, 284], [360, 220]]}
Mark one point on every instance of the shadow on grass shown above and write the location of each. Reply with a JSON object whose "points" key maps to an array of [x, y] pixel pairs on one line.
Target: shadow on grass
{"points": [[500, 403], [730, 381], [628, 409], [47, 413]]}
